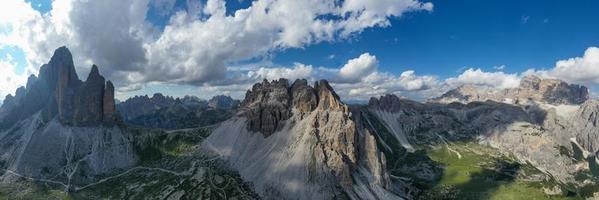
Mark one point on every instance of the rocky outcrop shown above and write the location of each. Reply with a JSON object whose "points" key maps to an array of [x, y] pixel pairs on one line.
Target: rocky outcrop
{"points": [[585, 124], [109, 109], [89, 99], [531, 88], [552, 91], [269, 104], [62, 129], [58, 92], [304, 97], [300, 142], [375, 161], [266, 106], [327, 98]]}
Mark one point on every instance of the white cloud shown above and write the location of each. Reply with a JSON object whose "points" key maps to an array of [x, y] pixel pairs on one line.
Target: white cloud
{"points": [[364, 14], [10, 80], [407, 84], [582, 70], [358, 79], [196, 45], [479, 77], [358, 68], [367, 85], [299, 71]]}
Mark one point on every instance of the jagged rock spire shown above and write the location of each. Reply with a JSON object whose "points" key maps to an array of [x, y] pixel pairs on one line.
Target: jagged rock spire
{"points": [[58, 92], [268, 104], [109, 105]]}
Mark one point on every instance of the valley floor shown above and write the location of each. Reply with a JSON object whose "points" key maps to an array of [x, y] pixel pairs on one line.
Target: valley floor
{"points": [[473, 171], [173, 169]]}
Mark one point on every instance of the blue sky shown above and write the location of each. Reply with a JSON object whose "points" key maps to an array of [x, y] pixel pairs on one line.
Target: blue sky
{"points": [[470, 33], [459, 34], [501, 39]]}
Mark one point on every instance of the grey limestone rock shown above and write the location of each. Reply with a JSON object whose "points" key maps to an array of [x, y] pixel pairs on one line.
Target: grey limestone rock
{"points": [[552, 91], [585, 124], [222, 102], [300, 142]]}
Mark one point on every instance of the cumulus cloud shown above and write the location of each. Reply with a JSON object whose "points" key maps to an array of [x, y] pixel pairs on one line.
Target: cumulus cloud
{"points": [[358, 68], [197, 44], [298, 71], [10, 80], [357, 79], [582, 70], [375, 13], [479, 77], [197, 50], [407, 84], [107, 33]]}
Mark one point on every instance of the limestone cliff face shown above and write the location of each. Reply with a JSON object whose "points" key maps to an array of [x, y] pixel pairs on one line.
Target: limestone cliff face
{"points": [[552, 91], [58, 92], [89, 99], [585, 124], [266, 106], [300, 142], [304, 98], [108, 109], [62, 129], [529, 132], [269, 105]]}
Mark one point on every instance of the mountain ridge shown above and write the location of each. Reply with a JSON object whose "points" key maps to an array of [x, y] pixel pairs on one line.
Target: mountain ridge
{"points": [[552, 91], [303, 138]]}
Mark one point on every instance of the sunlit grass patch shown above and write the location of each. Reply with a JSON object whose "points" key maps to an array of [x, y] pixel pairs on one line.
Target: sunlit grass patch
{"points": [[473, 171]]}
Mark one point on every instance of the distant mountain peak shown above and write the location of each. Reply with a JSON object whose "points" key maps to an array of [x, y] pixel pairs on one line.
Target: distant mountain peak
{"points": [[222, 102], [531, 88]]}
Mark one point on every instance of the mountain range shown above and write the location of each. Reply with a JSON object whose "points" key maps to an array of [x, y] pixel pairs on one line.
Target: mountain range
{"points": [[63, 138], [170, 113]]}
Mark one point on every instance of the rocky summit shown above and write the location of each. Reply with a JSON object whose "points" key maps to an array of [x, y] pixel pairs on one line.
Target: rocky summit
{"points": [[58, 92], [531, 88], [61, 129], [299, 142]]}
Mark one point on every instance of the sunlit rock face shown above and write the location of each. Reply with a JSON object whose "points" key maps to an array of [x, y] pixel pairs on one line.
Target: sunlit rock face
{"points": [[531, 88], [300, 142], [266, 106], [586, 125], [530, 132]]}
